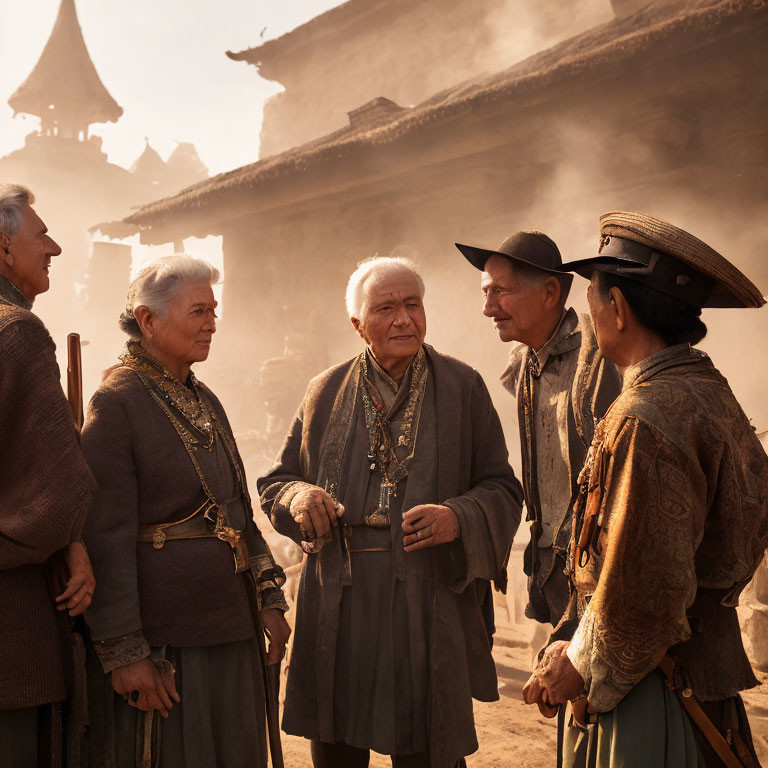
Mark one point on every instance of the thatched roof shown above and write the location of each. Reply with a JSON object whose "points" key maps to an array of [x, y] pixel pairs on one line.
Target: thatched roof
{"points": [[66, 78], [659, 30], [335, 23]]}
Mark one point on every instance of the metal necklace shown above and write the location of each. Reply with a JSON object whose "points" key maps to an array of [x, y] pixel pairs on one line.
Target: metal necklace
{"points": [[382, 443], [186, 400]]}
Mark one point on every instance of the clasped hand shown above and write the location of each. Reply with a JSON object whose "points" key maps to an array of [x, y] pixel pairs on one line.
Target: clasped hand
{"points": [[554, 681], [316, 513], [145, 687]]}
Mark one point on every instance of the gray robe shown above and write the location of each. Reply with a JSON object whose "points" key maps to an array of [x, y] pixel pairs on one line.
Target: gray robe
{"points": [[446, 587]]}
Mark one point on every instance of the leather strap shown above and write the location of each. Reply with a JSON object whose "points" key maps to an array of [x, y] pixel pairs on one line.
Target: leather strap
{"points": [[194, 526], [371, 549], [699, 717]]}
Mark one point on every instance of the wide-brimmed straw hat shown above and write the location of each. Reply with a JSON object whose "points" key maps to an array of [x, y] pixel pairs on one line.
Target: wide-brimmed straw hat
{"points": [[533, 249], [668, 259]]}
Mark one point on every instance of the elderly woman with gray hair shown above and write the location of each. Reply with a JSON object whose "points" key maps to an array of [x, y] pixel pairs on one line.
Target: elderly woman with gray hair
{"points": [[186, 581]]}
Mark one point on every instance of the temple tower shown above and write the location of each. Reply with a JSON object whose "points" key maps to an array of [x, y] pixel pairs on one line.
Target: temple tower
{"points": [[64, 89]]}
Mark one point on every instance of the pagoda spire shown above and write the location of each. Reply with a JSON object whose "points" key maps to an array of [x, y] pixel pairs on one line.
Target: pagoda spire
{"points": [[64, 89]]}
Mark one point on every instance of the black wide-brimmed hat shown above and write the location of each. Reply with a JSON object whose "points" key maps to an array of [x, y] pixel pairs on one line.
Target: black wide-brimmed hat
{"points": [[533, 249], [669, 260]]}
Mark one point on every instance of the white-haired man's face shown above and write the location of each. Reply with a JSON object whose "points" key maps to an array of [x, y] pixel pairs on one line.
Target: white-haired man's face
{"points": [[392, 322], [27, 255]]}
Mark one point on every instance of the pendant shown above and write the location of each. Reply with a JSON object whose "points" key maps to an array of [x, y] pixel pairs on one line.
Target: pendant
{"points": [[378, 519]]}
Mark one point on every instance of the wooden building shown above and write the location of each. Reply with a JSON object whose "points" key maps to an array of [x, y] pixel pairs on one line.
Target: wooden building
{"points": [[662, 109], [400, 50]]}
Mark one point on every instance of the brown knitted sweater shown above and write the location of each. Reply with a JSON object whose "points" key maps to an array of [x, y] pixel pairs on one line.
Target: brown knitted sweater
{"points": [[45, 492]]}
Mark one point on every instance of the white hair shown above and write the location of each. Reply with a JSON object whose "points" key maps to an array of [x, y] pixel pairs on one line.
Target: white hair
{"points": [[13, 198], [158, 282], [375, 266]]}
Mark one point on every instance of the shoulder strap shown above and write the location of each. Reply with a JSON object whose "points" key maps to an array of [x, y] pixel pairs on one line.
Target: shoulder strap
{"points": [[696, 713]]}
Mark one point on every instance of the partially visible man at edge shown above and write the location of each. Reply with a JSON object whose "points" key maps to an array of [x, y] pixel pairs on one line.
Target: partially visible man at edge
{"points": [[45, 492], [563, 386], [671, 524], [396, 457]]}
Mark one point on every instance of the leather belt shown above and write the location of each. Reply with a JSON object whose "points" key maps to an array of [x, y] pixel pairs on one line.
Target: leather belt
{"points": [[351, 549], [194, 526], [371, 549]]}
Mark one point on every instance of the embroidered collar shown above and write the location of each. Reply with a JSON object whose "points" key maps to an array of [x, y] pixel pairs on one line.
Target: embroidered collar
{"points": [[386, 378], [680, 354], [185, 399], [10, 294]]}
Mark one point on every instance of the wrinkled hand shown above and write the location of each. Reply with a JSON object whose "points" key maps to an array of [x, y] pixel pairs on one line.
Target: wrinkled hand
{"points": [[278, 631], [156, 691], [535, 693], [316, 512], [554, 681], [428, 525], [79, 589]]}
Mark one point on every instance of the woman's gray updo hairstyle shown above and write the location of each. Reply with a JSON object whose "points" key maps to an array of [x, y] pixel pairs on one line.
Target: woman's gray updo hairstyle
{"points": [[157, 283]]}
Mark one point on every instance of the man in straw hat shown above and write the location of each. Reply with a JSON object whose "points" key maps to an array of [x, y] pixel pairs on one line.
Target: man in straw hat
{"points": [[671, 524], [562, 385]]}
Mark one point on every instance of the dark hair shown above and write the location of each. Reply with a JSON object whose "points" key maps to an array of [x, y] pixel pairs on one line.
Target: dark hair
{"points": [[675, 321], [128, 323]]}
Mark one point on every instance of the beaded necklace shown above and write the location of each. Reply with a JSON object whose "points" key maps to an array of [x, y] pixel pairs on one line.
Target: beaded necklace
{"points": [[162, 386], [186, 400], [382, 442]]}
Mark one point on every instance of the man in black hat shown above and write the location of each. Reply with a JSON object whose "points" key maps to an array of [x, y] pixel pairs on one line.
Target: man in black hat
{"points": [[671, 524], [562, 385]]}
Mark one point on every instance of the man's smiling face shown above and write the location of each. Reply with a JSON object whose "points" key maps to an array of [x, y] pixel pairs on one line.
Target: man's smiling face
{"points": [[28, 255], [516, 307]]}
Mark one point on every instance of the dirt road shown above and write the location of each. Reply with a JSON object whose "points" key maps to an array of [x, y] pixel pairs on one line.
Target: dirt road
{"points": [[512, 735]]}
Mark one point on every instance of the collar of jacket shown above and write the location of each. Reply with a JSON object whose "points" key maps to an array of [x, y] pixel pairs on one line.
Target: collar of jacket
{"points": [[566, 338], [11, 294], [680, 354]]}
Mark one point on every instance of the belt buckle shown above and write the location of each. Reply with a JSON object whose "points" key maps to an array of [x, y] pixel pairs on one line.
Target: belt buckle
{"points": [[158, 538], [228, 534]]}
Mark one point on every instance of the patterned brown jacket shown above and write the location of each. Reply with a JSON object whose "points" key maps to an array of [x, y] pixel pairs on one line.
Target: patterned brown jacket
{"points": [[676, 511]]}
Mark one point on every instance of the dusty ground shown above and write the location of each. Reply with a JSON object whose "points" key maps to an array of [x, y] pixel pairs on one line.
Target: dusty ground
{"points": [[512, 735]]}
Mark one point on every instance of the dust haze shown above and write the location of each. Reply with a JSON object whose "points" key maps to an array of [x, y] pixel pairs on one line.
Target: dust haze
{"points": [[290, 328], [603, 112]]}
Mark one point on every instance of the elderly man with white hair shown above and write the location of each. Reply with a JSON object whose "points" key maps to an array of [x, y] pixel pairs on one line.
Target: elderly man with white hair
{"points": [[186, 581], [45, 492], [394, 478]]}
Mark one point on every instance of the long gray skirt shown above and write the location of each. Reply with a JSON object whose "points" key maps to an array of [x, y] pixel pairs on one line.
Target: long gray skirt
{"points": [[220, 722], [647, 728]]}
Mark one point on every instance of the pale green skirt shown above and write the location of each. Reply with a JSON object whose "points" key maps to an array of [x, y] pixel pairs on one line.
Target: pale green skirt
{"points": [[647, 729]]}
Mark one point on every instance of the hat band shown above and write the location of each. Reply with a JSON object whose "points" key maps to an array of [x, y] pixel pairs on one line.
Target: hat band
{"points": [[654, 269]]}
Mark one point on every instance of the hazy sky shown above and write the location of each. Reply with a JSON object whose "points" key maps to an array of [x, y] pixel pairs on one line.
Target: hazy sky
{"points": [[164, 63]]}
